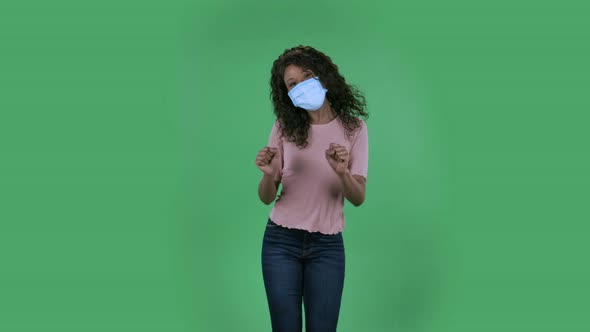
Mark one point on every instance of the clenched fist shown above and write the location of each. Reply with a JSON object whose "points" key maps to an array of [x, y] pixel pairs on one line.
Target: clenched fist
{"points": [[266, 161], [338, 157]]}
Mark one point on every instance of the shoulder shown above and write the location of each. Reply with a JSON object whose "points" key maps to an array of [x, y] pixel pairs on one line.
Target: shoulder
{"points": [[276, 130], [361, 130], [363, 124], [358, 124], [277, 125]]}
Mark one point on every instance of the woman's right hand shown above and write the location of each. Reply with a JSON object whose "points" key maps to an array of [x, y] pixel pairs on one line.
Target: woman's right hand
{"points": [[266, 161]]}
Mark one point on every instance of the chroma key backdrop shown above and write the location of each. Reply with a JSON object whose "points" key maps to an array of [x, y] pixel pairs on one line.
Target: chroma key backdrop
{"points": [[128, 190]]}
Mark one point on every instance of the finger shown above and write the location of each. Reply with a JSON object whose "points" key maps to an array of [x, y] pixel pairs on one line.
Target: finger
{"points": [[264, 158]]}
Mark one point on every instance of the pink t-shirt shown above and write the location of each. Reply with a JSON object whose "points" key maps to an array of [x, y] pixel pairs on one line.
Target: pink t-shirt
{"points": [[311, 197]]}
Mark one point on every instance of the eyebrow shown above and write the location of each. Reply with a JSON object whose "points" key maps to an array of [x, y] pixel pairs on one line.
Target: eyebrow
{"points": [[304, 71]]}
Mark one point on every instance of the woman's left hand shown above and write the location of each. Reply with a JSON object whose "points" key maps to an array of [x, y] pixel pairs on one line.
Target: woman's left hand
{"points": [[338, 157]]}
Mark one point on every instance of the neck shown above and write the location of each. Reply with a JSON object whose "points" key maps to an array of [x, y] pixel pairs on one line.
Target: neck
{"points": [[324, 115]]}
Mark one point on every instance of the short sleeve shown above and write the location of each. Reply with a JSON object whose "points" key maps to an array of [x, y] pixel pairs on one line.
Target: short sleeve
{"points": [[359, 152], [275, 141]]}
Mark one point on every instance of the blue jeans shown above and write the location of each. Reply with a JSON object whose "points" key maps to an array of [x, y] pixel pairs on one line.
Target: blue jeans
{"points": [[296, 265]]}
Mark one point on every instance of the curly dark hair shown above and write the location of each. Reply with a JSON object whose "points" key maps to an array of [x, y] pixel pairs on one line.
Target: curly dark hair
{"points": [[345, 99]]}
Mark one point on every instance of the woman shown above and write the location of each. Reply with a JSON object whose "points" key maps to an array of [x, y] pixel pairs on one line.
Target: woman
{"points": [[318, 150]]}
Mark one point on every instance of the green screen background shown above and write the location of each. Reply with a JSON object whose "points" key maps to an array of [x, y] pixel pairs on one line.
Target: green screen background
{"points": [[128, 190]]}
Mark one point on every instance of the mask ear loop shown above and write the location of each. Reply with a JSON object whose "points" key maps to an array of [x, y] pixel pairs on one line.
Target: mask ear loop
{"points": [[318, 78]]}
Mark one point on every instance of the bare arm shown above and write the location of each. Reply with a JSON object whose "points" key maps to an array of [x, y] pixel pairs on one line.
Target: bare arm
{"points": [[267, 189], [270, 167], [353, 187]]}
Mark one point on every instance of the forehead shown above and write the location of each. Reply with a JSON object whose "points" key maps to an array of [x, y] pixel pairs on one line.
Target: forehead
{"points": [[293, 71]]}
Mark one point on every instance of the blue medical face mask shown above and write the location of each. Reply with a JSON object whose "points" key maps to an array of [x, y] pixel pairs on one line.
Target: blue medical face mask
{"points": [[309, 94]]}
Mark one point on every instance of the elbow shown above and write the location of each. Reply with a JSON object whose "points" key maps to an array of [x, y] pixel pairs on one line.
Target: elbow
{"points": [[359, 202], [265, 197], [266, 201]]}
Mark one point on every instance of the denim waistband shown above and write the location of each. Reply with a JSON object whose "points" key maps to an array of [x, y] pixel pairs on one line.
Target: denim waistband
{"points": [[270, 222]]}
